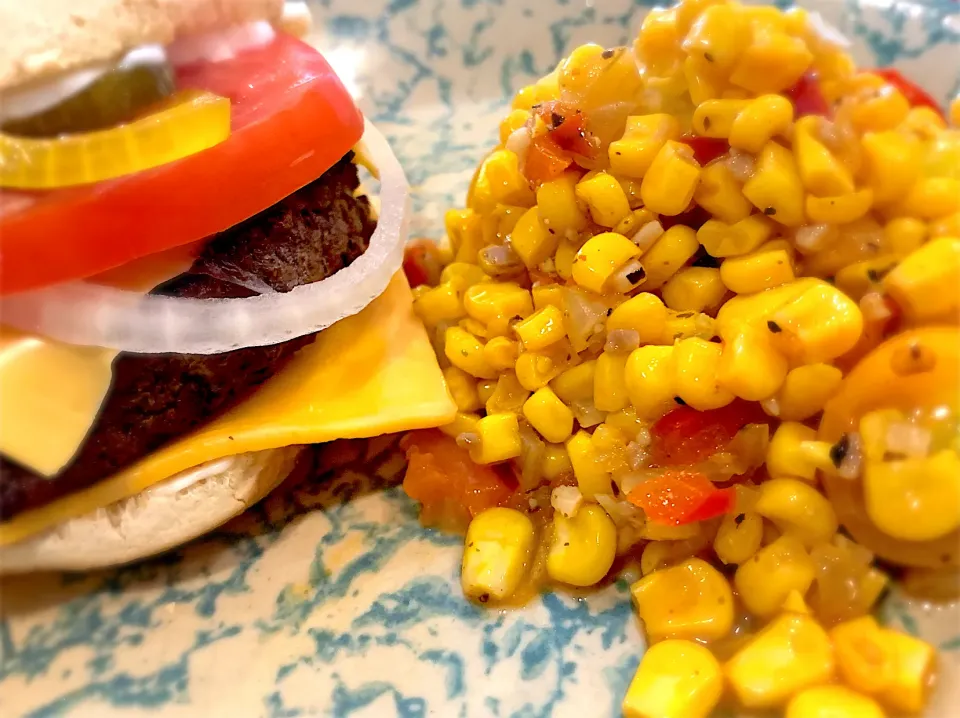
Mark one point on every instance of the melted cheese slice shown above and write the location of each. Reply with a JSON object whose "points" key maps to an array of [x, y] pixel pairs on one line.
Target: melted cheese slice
{"points": [[373, 373]]}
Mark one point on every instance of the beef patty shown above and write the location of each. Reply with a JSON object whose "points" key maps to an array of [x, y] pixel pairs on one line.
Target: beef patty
{"points": [[156, 398]]}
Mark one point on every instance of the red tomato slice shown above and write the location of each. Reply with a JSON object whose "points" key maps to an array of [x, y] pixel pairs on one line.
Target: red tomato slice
{"points": [[292, 119], [545, 160], [807, 97], [681, 497], [706, 149], [916, 95], [686, 436], [422, 263]]}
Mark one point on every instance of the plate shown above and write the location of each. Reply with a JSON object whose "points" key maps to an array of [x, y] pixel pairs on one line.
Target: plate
{"points": [[331, 600]]}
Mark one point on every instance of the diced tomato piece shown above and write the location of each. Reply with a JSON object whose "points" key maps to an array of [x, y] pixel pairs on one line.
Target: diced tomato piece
{"points": [[681, 497], [450, 487], [706, 149], [422, 263], [916, 95], [807, 97], [685, 436], [545, 160], [568, 128]]}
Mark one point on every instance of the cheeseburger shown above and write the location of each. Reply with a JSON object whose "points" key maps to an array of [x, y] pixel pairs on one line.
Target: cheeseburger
{"points": [[193, 285]]}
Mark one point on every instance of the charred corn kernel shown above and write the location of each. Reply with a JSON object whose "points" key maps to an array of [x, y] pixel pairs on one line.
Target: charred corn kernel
{"points": [[508, 396], [462, 275], [676, 679], [924, 284], [903, 235], [497, 551], [644, 314], [512, 122], [771, 62], [485, 389], [757, 271], [785, 457], [600, 257], [499, 439], [535, 370], [541, 329], [501, 353], [891, 164], [559, 210], [671, 180], [691, 600], [648, 376], [490, 301], [931, 198], [760, 121], [605, 199], [775, 187], [820, 324], [718, 36], [556, 461], [714, 118], [695, 366], [465, 352], [642, 139], [719, 192], [806, 390], [840, 209], [913, 664], [727, 240], [592, 478], [583, 547], [694, 289], [792, 653], [865, 658], [609, 384], [463, 389], [439, 304], [859, 278], [750, 367], [531, 240], [461, 424], [832, 702], [576, 383], [884, 110], [499, 181], [797, 509], [738, 537], [668, 254], [548, 415], [764, 581]]}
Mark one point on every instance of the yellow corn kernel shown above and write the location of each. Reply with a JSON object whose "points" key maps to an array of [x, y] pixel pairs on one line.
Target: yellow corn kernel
{"points": [[718, 36], [439, 304], [644, 314], [564, 258], [648, 376], [858, 278], [948, 226], [512, 122], [465, 351], [548, 295], [499, 181], [775, 187], [543, 90], [913, 664], [786, 458], [757, 271], [463, 231], [605, 199], [727, 240], [592, 477], [507, 396], [771, 62], [548, 415], [535, 370], [609, 384], [531, 241], [738, 537], [914, 499], [750, 367], [556, 461], [642, 139], [461, 424], [497, 551], [576, 383], [703, 83], [676, 679], [499, 439], [903, 235], [720, 193], [463, 389], [757, 309], [760, 121], [891, 164], [501, 353], [462, 275], [541, 329], [668, 254], [764, 581], [695, 367], [792, 653], [485, 389], [694, 289], [832, 702], [583, 547], [865, 658], [806, 390], [684, 325], [473, 326], [884, 110], [817, 326], [841, 209], [691, 600], [714, 118], [600, 257], [797, 509], [931, 198], [671, 180], [490, 301], [558, 207]]}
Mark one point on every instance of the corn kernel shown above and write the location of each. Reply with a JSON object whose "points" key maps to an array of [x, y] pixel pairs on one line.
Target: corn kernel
{"points": [[806, 390], [765, 580], [715, 118], [642, 139], [531, 241], [507, 396], [738, 537], [718, 36], [592, 478], [604, 197], [600, 257], [720, 193], [485, 389], [513, 122], [757, 309], [499, 181], [583, 547], [564, 258], [501, 353], [757, 271], [786, 458], [676, 679], [644, 314], [726, 240], [760, 121], [541, 329], [669, 253], [891, 164], [548, 415], [798, 509], [491, 301], [439, 304], [820, 324], [903, 235], [559, 210], [832, 702], [498, 547], [841, 209], [576, 383], [535, 370], [865, 658], [775, 187], [792, 653], [463, 230], [924, 284], [858, 278], [671, 180], [948, 226], [696, 363], [648, 376], [461, 424], [462, 275], [914, 662], [884, 110], [556, 461], [465, 351], [694, 289], [703, 83], [684, 325], [931, 198], [499, 439], [463, 389], [691, 600], [750, 367], [658, 42], [609, 384], [772, 62]]}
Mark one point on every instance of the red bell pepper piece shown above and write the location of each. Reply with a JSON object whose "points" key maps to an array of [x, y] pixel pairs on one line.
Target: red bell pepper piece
{"points": [[681, 497]]}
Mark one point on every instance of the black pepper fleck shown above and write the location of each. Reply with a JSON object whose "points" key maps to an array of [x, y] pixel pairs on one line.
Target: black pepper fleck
{"points": [[838, 452], [609, 311], [566, 543], [607, 54], [706, 123], [708, 57], [614, 488], [556, 119], [770, 211], [483, 597], [738, 519], [774, 327], [680, 401], [685, 315], [465, 352]]}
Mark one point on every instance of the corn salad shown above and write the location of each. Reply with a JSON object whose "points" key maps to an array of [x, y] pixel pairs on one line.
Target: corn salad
{"points": [[700, 318]]}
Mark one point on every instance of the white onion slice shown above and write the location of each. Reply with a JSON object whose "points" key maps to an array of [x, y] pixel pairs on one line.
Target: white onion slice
{"points": [[220, 45], [95, 315]]}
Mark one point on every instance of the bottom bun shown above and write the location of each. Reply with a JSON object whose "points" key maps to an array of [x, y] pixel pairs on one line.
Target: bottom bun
{"points": [[159, 518]]}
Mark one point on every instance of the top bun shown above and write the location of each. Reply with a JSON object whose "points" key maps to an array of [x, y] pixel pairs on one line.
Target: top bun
{"points": [[44, 37]]}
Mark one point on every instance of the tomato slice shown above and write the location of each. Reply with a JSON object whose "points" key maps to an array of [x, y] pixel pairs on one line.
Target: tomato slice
{"points": [[807, 97], [681, 497], [545, 160], [706, 149], [291, 120], [422, 263], [916, 95], [685, 436]]}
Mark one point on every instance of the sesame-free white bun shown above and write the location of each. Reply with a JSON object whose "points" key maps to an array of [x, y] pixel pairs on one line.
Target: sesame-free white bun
{"points": [[162, 517]]}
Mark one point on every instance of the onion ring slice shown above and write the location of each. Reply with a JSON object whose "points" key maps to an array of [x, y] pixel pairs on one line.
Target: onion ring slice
{"points": [[94, 315]]}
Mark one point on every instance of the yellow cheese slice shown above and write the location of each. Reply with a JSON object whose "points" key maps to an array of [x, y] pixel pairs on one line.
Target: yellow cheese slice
{"points": [[373, 373]]}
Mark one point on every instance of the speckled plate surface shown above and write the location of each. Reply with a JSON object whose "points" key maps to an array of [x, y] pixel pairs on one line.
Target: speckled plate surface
{"points": [[332, 600]]}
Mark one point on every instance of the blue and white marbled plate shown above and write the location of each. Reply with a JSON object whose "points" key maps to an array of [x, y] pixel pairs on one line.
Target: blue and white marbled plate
{"points": [[332, 600]]}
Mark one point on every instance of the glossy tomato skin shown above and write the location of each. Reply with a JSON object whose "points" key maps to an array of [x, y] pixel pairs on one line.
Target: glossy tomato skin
{"points": [[291, 120], [681, 497], [685, 436]]}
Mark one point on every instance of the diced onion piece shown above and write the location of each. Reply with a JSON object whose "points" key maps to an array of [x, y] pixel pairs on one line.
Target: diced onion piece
{"points": [[220, 45], [94, 315], [192, 121]]}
